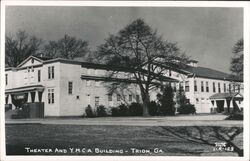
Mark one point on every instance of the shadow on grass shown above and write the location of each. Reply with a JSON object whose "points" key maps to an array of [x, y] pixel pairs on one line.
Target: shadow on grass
{"points": [[208, 136]]}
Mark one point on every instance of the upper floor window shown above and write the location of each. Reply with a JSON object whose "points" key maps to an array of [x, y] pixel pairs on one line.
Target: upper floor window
{"points": [[110, 97], [214, 89], [202, 86], [195, 86], [219, 87], [187, 86], [181, 86], [224, 87], [70, 87], [234, 87], [238, 87], [51, 71], [207, 87], [130, 98], [97, 101], [118, 97], [229, 87], [137, 98], [6, 79], [39, 75], [51, 96]]}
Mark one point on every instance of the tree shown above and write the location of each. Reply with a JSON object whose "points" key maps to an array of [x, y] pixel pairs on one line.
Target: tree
{"points": [[67, 47], [139, 48], [237, 61], [166, 100], [19, 47]]}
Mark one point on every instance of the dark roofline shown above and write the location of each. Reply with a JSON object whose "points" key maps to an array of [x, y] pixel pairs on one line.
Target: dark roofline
{"points": [[109, 79]]}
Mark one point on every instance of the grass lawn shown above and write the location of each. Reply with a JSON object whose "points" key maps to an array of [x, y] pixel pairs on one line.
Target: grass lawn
{"points": [[119, 140]]}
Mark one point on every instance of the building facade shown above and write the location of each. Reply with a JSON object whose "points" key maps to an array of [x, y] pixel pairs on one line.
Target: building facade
{"points": [[67, 87]]}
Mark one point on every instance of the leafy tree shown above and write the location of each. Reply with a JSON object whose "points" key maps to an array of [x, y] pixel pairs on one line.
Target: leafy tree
{"points": [[139, 48], [237, 61], [166, 100], [67, 47], [19, 47]]}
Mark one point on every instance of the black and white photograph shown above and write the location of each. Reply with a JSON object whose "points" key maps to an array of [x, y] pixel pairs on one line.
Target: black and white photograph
{"points": [[124, 80]]}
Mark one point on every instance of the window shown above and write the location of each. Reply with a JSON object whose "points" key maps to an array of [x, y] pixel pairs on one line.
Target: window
{"points": [[97, 101], [174, 87], [130, 98], [51, 72], [207, 87], [224, 87], [118, 97], [137, 98], [214, 90], [229, 87], [238, 88], [187, 86], [51, 96], [195, 86], [38, 75], [70, 87], [6, 79], [110, 97], [181, 86], [234, 87], [219, 87], [202, 86]]}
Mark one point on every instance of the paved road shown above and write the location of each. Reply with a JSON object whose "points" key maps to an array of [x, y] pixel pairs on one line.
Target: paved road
{"points": [[196, 120]]}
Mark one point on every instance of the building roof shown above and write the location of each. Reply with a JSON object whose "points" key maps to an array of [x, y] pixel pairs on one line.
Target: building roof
{"points": [[188, 70], [225, 95], [208, 73]]}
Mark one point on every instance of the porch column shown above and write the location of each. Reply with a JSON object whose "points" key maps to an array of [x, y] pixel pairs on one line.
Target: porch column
{"points": [[10, 102], [225, 103], [36, 97], [211, 106], [29, 98], [215, 104]]}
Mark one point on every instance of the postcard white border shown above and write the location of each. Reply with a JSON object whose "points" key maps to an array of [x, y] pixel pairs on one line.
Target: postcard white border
{"points": [[245, 5]]}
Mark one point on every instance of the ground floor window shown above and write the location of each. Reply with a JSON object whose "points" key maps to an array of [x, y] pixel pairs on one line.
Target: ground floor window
{"points": [[51, 97]]}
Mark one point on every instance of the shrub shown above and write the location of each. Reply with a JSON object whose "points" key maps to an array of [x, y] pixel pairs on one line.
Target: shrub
{"points": [[235, 116], [166, 100], [135, 109], [101, 111], [89, 111], [153, 108], [123, 110], [187, 109], [115, 111]]}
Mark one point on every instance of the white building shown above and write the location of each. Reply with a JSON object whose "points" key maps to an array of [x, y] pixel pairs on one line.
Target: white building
{"points": [[67, 87]]}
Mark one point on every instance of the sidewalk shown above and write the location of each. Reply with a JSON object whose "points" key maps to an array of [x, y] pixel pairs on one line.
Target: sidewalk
{"points": [[186, 120]]}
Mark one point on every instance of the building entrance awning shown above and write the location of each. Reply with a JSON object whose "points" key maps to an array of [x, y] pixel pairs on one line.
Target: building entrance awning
{"points": [[226, 96], [34, 88]]}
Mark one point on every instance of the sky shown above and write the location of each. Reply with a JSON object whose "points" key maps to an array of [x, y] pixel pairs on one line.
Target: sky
{"points": [[205, 34]]}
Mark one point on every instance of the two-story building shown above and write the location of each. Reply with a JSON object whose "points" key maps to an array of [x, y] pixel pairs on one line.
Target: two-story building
{"points": [[67, 87]]}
